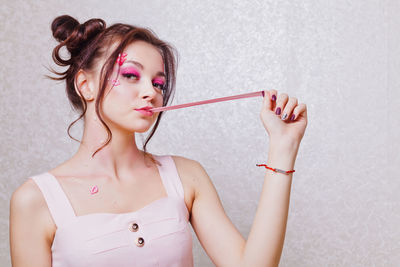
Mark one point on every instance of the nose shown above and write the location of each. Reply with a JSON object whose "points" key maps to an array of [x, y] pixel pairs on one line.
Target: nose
{"points": [[148, 91]]}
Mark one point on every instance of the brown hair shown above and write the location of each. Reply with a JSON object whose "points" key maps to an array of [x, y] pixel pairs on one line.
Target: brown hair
{"points": [[87, 43]]}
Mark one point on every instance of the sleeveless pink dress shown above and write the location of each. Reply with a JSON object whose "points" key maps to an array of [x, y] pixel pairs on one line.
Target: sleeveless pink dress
{"points": [[155, 235]]}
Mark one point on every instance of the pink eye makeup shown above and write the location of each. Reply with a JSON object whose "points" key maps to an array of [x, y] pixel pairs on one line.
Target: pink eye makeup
{"points": [[159, 83], [130, 73]]}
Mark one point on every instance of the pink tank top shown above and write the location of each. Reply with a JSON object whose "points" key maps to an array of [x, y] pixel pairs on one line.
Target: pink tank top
{"points": [[155, 235]]}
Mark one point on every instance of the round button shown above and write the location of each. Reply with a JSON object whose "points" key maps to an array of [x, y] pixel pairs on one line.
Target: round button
{"points": [[133, 227], [140, 242]]}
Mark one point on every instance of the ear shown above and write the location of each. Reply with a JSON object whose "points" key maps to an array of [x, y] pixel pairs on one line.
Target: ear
{"points": [[83, 86]]}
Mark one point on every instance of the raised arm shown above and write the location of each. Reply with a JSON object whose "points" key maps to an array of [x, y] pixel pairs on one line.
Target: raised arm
{"points": [[219, 237], [30, 227], [265, 241]]}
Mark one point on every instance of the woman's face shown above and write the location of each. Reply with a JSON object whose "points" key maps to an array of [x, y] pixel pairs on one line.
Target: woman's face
{"points": [[140, 83]]}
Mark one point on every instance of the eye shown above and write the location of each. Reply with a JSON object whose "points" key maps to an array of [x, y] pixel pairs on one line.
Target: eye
{"points": [[131, 75], [159, 85]]}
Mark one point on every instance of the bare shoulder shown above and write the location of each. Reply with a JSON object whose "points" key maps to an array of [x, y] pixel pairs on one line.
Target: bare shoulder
{"points": [[192, 172], [188, 167], [30, 245], [28, 203], [27, 197], [185, 163]]}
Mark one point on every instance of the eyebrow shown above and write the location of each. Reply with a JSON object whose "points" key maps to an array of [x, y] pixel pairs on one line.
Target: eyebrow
{"points": [[160, 73]]}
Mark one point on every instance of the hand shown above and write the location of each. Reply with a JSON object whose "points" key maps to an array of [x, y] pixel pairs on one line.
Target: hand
{"points": [[283, 130]]}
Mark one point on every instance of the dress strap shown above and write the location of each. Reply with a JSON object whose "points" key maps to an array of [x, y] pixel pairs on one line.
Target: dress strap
{"points": [[169, 176], [59, 206]]}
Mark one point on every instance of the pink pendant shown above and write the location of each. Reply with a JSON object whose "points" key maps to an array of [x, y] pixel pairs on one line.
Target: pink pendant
{"points": [[94, 189]]}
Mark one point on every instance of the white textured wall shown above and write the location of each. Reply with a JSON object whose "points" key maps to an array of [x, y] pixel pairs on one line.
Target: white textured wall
{"points": [[340, 57]]}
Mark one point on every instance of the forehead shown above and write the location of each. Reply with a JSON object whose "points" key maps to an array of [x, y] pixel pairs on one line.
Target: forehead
{"points": [[146, 54]]}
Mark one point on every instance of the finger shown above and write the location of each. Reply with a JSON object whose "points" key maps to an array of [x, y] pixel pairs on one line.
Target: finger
{"points": [[299, 110], [280, 103], [268, 100], [290, 105], [273, 93]]}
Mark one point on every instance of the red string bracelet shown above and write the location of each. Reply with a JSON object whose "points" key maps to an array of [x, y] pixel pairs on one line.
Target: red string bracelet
{"points": [[274, 169]]}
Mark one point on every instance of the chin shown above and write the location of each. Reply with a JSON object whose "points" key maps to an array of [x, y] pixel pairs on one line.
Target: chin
{"points": [[142, 129], [137, 126]]}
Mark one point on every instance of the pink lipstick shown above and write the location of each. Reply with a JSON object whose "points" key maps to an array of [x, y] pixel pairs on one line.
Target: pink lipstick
{"points": [[145, 111]]}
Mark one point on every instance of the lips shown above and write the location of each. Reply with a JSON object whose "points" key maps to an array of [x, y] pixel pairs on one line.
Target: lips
{"points": [[145, 111], [144, 108]]}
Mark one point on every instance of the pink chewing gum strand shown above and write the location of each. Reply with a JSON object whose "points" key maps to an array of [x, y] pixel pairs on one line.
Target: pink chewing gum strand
{"points": [[259, 93]]}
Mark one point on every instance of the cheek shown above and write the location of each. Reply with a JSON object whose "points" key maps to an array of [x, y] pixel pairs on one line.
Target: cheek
{"points": [[120, 89], [118, 100]]}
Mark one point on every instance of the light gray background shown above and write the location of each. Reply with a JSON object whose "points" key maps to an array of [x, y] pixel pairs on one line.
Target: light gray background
{"points": [[340, 57]]}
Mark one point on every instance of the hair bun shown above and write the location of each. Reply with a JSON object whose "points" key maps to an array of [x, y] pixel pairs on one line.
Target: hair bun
{"points": [[75, 36], [63, 26]]}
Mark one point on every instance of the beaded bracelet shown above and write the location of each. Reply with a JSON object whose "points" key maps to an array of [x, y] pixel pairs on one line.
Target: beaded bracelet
{"points": [[274, 169]]}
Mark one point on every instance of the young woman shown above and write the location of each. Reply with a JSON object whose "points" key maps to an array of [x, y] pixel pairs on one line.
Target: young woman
{"points": [[112, 204]]}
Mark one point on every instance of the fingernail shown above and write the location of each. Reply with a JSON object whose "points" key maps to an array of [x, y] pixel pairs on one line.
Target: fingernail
{"points": [[273, 97], [284, 116], [278, 111], [292, 117]]}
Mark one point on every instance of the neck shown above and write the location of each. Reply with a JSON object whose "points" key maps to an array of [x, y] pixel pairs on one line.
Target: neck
{"points": [[119, 158]]}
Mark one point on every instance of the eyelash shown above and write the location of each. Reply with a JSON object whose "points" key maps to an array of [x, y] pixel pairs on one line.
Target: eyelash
{"points": [[129, 75], [157, 85]]}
